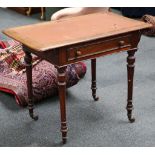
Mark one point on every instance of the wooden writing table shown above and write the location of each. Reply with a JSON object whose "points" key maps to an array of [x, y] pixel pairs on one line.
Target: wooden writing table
{"points": [[75, 39]]}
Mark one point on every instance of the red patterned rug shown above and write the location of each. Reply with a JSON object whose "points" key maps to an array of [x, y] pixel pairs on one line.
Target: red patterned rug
{"points": [[151, 20], [13, 76]]}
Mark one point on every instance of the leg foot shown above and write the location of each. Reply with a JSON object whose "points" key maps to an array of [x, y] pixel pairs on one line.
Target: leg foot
{"points": [[96, 98], [132, 120], [64, 141], [31, 113], [64, 136], [35, 118], [129, 113]]}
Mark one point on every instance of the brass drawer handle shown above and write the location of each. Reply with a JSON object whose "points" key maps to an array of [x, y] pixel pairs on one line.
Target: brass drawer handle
{"points": [[78, 53], [121, 43]]}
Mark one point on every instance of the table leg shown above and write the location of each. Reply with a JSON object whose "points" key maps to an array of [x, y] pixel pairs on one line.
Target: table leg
{"points": [[28, 64], [62, 97], [42, 13], [28, 12], [93, 85], [130, 74]]}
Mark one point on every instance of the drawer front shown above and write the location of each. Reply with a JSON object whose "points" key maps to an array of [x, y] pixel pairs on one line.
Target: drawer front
{"points": [[98, 47]]}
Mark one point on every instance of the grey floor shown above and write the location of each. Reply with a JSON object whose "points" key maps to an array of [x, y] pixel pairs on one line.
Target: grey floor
{"points": [[102, 123]]}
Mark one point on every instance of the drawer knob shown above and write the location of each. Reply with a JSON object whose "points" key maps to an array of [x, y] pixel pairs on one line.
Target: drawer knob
{"points": [[121, 43], [78, 53]]}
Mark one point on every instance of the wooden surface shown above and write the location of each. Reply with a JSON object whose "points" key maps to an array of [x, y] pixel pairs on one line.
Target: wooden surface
{"points": [[53, 34]]}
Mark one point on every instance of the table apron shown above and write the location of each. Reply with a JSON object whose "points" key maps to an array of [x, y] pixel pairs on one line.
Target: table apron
{"points": [[97, 48]]}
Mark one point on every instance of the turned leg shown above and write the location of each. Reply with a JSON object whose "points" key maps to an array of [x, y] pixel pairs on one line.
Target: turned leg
{"points": [[62, 97], [28, 64], [42, 13], [130, 74], [28, 12], [93, 85]]}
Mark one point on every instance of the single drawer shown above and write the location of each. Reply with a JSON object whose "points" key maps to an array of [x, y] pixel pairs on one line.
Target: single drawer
{"points": [[98, 47]]}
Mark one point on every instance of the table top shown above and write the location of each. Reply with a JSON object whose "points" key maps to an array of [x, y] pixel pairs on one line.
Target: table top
{"points": [[52, 34]]}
